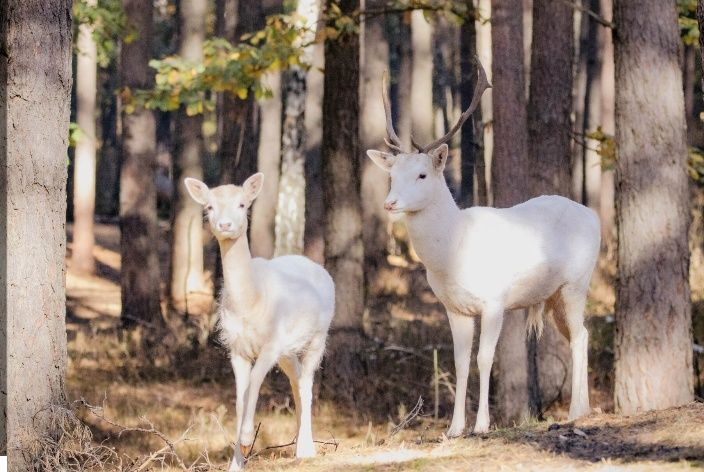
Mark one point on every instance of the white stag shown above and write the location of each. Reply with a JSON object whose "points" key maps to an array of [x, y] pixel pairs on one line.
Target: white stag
{"points": [[485, 261], [271, 311]]}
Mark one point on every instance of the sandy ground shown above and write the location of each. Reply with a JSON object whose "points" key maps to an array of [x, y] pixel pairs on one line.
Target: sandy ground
{"points": [[192, 406]]}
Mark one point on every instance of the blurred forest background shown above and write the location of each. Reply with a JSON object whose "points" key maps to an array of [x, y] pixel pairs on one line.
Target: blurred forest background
{"points": [[220, 89]]}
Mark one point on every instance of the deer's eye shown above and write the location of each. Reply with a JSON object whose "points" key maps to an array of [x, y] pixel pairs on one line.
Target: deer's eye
{"points": [[209, 208], [422, 176], [241, 205]]}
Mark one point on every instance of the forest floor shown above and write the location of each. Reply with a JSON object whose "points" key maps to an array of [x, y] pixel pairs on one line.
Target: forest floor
{"points": [[182, 417]]}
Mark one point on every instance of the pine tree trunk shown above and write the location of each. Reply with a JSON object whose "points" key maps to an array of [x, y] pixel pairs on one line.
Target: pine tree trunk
{"points": [[422, 78], [262, 231], [187, 286], [35, 89], [653, 342], [108, 167], [240, 139], [549, 127], [471, 134], [607, 212], [483, 157], [509, 168], [290, 212], [375, 182], [84, 166], [139, 234], [344, 251]]}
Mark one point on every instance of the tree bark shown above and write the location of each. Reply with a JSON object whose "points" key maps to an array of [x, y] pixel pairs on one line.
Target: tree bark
{"points": [[238, 150], [422, 78], [341, 186], [608, 125], [108, 167], [471, 134], [84, 166], [653, 342], [509, 168], [139, 232], [186, 284], [35, 88], [549, 149], [375, 182], [290, 212], [484, 195], [262, 241]]}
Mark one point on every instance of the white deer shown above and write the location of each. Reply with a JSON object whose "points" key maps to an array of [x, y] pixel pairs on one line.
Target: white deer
{"points": [[271, 311], [484, 261]]}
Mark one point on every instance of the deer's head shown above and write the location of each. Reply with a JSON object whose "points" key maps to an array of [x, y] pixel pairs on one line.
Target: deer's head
{"points": [[226, 206], [417, 175]]}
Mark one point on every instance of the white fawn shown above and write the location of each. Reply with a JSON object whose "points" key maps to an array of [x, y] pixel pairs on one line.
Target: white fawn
{"points": [[271, 311], [485, 261]]}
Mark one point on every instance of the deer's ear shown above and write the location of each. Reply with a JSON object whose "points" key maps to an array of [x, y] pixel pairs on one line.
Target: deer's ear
{"points": [[439, 157], [197, 190], [253, 185], [383, 159]]}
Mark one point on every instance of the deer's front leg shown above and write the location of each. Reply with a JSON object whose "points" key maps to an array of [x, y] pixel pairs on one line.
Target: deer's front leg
{"points": [[242, 368], [492, 319], [462, 327], [263, 364]]}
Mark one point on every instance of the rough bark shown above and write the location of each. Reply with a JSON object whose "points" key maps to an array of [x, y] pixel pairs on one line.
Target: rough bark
{"points": [[375, 182], [422, 78], [471, 134], [84, 163], [238, 149], [509, 168], [139, 233], [107, 195], [186, 282], [341, 186], [313, 240], [653, 341], [35, 88], [549, 149]]}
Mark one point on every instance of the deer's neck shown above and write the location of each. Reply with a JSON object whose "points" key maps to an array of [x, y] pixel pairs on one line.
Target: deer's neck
{"points": [[432, 231], [237, 273]]}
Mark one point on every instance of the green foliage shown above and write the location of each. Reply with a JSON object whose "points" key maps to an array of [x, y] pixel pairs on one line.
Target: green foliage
{"points": [[606, 147], [695, 165], [109, 23], [234, 69], [74, 134], [689, 30]]}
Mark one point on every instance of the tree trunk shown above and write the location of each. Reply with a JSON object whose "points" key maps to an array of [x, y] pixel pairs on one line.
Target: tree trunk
{"points": [[290, 212], [608, 125], [653, 342], [187, 286], [483, 195], [139, 233], [240, 139], [314, 242], [344, 252], [35, 89], [549, 127], [108, 167], [422, 78], [262, 241], [375, 182], [471, 134], [509, 168], [82, 260]]}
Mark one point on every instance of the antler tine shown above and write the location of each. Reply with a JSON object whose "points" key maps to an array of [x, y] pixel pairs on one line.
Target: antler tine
{"points": [[482, 85], [394, 142], [415, 143]]}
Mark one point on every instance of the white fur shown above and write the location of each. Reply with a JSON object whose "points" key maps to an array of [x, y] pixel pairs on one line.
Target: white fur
{"points": [[484, 261], [271, 311]]}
